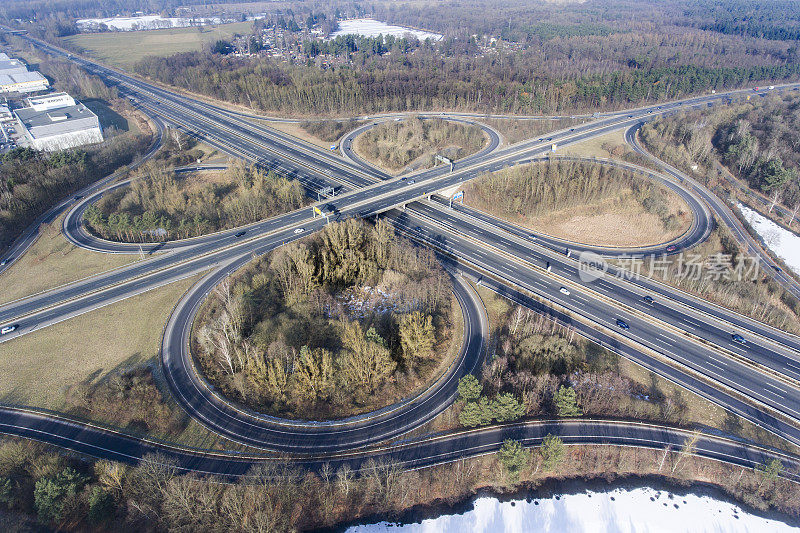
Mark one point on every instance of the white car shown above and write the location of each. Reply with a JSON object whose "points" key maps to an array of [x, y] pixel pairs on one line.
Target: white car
{"points": [[564, 290], [299, 230], [8, 329]]}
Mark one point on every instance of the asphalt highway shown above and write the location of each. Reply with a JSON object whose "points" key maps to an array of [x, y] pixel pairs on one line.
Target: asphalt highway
{"points": [[757, 385], [779, 352], [647, 333], [541, 252], [422, 452]]}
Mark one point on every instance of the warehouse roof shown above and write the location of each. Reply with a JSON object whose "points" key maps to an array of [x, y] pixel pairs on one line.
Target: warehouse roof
{"points": [[21, 77], [57, 121], [11, 66]]}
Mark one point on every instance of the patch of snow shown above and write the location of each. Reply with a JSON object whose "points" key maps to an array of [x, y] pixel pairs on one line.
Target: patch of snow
{"points": [[781, 241], [373, 28], [146, 22], [361, 301], [640, 510]]}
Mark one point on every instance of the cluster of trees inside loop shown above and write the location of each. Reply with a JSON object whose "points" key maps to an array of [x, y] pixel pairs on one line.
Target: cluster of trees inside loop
{"points": [[163, 205], [395, 145], [349, 317], [532, 190]]}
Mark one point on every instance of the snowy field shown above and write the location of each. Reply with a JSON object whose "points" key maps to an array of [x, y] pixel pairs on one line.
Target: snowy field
{"points": [[641, 510], [145, 22], [782, 242], [373, 28]]}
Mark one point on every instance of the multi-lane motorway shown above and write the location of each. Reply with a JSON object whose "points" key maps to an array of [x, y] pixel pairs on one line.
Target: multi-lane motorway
{"points": [[677, 335]]}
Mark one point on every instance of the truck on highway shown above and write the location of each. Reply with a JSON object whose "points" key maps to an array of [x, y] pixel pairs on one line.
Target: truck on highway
{"points": [[333, 148], [553, 147]]}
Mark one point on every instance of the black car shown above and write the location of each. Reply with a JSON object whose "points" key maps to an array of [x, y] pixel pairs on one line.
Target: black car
{"points": [[738, 338], [621, 323], [648, 299], [78, 196], [777, 268], [241, 233]]}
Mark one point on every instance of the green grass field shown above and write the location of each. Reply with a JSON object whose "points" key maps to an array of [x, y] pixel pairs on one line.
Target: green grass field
{"points": [[125, 48]]}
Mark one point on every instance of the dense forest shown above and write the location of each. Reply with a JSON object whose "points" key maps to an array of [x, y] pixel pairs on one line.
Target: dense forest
{"points": [[507, 83], [554, 59], [496, 55], [396, 144], [162, 205], [31, 182], [348, 320]]}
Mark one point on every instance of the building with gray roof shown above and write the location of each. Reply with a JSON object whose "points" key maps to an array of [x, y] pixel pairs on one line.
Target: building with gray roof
{"points": [[60, 128]]}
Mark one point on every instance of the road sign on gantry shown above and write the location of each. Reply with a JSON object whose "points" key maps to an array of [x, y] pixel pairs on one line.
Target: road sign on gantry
{"points": [[456, 197], [445, 160]]}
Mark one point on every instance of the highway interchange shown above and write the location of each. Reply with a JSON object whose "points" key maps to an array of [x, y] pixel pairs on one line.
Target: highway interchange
{"points": [[679, 336]]}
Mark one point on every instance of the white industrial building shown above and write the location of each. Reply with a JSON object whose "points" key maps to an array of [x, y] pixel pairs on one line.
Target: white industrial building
{"points": [[56, 122], [24, 82], [50, 101], [14, 77]]}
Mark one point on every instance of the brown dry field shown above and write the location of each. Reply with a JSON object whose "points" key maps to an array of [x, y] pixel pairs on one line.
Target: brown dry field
{"points": [[594, 147], [611, 222], [295, 130], [38, 368]]}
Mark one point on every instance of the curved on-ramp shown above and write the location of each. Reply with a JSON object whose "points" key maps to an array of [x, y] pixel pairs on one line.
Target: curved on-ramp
{"points": [[346, 141], [239, 424], [722, 211], [701, 226]]}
